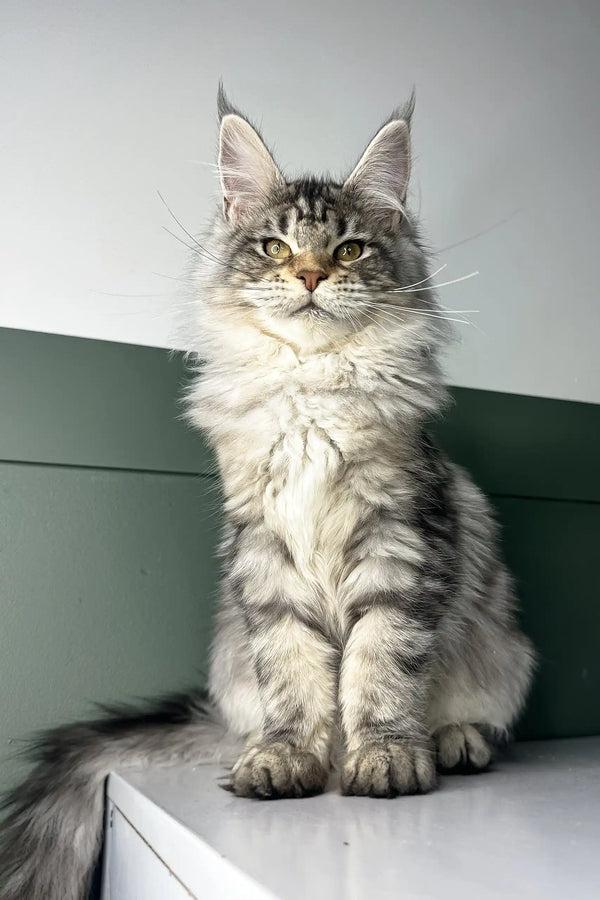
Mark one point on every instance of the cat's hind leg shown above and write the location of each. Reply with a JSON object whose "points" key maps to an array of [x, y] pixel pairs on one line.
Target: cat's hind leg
{"points": [[462, 749], [475, 703], [485, 664], [478, 696]]}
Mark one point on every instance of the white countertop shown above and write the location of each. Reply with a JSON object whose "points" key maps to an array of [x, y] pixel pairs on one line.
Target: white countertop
{"points": [[529, 828]]}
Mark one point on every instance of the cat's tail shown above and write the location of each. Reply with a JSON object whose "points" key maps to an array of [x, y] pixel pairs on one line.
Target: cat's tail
{"points": [[52, 835]]}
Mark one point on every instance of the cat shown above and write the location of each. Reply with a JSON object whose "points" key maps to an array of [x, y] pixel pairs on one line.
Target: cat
{"points": [[366, 619]]}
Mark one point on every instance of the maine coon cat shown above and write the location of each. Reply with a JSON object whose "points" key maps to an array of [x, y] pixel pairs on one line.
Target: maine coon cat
{"points": [[365, 610]]}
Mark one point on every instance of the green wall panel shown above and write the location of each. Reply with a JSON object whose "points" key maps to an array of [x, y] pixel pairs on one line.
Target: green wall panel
{"points": [[107, 585], [79, 402], [525, 446], [552, 549]]}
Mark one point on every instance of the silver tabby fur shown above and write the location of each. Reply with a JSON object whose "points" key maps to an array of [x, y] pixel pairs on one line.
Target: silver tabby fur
{"points": [[366, 620]]}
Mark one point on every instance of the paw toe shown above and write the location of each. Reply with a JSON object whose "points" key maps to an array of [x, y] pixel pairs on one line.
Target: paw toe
{"points": [[462, 748], [277, 771], [389, 769]]}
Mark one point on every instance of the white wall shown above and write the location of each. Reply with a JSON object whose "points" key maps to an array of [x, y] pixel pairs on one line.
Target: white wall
{"points": [[104, 103]]}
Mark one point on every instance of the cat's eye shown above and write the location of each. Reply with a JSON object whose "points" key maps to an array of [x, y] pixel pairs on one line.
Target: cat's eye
{"points": [[348, 251], [277, 249]]}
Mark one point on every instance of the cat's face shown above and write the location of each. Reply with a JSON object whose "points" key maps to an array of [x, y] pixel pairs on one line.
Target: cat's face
{"points": [[311, 259]]}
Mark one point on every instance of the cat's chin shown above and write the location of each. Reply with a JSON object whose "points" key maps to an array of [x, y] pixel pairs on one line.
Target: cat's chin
{"points": [[310, 331]]}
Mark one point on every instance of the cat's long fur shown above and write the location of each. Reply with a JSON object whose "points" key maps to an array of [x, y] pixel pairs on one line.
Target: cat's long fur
{"points": [[364, 602]]}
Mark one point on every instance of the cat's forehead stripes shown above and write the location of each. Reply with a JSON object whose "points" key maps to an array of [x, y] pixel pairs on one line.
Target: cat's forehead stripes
{"points": [[313, 212], [314, 200]]}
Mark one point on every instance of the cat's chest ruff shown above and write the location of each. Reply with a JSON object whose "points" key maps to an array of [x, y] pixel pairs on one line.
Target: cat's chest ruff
{"points": [[306, 456], [307, 499], [305, 491], [306, 411]]}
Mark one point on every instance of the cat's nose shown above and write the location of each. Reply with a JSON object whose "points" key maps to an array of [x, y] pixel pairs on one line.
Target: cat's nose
{"points": [[312, 278]]}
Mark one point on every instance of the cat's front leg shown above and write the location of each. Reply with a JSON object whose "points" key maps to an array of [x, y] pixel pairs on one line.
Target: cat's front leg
{"points": [[384, 686], [295, 666]]}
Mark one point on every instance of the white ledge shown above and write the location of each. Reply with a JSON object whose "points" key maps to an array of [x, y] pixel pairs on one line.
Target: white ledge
{"points": [[529, 828]]}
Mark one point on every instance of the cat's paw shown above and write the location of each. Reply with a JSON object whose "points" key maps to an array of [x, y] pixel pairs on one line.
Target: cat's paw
{"points": [[390, 768], [462, 749], [276, 771]]}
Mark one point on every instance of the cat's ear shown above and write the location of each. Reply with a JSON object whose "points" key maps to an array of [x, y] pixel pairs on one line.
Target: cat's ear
{"points": [[248, 172], [382, 173]]}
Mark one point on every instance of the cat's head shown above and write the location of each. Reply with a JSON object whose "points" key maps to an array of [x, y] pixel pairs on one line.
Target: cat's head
{"points": [[312, 259]]}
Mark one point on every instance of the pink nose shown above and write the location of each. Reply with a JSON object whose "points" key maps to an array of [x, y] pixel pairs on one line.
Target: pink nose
{"points": [[311, 279]]}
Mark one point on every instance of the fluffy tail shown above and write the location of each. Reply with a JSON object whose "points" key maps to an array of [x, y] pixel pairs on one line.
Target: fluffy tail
{"points": [[52, 835]]}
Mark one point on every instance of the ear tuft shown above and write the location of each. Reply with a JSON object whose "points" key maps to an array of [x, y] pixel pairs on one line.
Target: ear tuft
{"points": [[406, 111], [224, 105]]}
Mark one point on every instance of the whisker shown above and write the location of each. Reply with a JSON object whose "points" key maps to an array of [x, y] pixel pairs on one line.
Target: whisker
{"points": [[202, 162], [185, 231], [181, 241], [170, 277], [420, 312], [423, 280], [435, 309], [434, 287], [375, 321], [473, 237], [109, 294], [202, 256], [425, 315], [371, 322], [197, 242]]}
